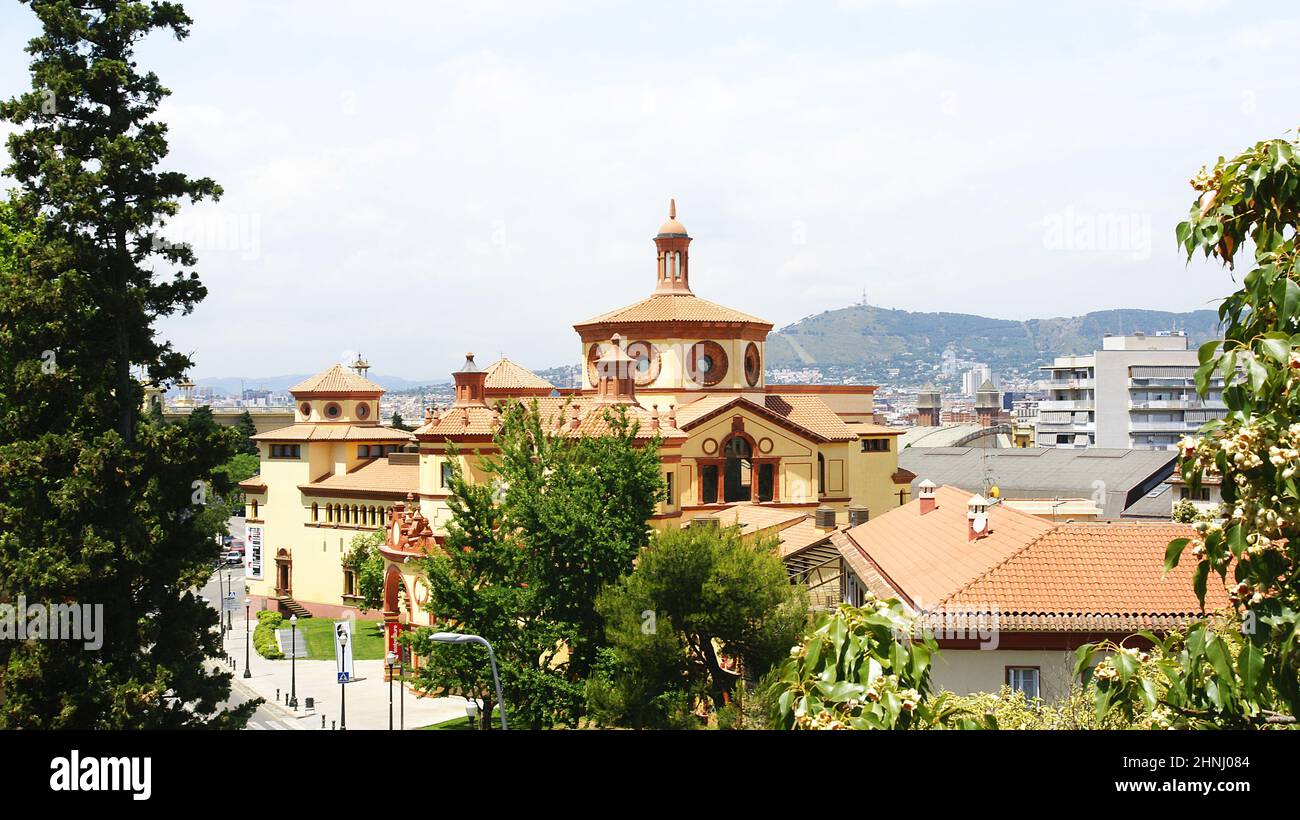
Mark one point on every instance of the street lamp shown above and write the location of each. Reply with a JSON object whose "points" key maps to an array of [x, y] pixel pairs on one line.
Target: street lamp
{"points": [[247, 638], [343, 684], [471, 710], [391, 660], [293, 662], [456, 637], [230, 616]]}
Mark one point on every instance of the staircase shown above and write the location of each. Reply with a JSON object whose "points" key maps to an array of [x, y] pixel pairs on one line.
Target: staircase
{"points": [[293, 607]]}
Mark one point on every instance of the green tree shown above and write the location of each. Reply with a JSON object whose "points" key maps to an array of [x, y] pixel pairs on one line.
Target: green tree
{"points": [[1248, 676], [525, 555], [866, 668], [364, 558], [396, 422], [247, 429], [694, 591], [95, 506], [580, 506], [478, 584]]}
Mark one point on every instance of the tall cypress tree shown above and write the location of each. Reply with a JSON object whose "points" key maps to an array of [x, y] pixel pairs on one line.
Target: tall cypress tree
{"points": [[96, 506]]}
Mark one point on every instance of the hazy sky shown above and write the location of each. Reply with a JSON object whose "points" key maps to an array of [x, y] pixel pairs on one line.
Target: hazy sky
{"points": [[417, 180]]}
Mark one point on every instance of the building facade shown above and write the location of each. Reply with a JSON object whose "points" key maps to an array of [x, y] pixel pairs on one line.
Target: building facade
{"points": [[1138, 391], [690, 372]]}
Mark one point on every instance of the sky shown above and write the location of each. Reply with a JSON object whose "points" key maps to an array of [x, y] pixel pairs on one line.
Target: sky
{"points": [[417, 180]]}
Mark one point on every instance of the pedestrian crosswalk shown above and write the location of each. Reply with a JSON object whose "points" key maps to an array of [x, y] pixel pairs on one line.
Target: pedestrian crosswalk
{"points": [[273, 724]]}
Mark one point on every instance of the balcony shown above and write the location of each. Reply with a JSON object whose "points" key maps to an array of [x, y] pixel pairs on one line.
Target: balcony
{"points": [[1068, 404], [1164, 426], [1070, 384]]}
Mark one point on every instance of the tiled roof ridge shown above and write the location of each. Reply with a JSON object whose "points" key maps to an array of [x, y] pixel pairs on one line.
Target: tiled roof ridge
{"points": [[1077, 526], [986, 573]]}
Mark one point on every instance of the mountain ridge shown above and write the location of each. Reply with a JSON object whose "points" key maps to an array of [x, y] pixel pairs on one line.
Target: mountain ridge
{"points": [[876, 338]]}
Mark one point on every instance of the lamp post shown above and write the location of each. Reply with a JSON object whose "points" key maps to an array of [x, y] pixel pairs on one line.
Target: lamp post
{"points": [[391, 660], [293, 662], [343, 685], [230, 616], [457, 637], [401, 698], [247, 638], [471, 711]]}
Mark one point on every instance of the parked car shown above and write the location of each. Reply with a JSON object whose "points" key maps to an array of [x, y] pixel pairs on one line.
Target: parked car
{"points": [[234, 558]]}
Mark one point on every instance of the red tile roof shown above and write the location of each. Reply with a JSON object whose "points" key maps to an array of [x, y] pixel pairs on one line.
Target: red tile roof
{"points": [[334, 432], [674, 307], [1037, 575], [338, 379], [504, 374], [479, 420], [380, 475]]}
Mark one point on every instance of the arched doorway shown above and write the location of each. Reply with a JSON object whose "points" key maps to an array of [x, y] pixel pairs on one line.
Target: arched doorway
{"points": [[738, 469], [283, 573]]}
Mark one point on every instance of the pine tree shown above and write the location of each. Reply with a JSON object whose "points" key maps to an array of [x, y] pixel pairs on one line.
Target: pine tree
{"points": [[97, 507], [247, 429]]}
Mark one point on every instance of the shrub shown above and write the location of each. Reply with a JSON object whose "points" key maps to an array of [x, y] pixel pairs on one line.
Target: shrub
{"points": [[264, 635]]}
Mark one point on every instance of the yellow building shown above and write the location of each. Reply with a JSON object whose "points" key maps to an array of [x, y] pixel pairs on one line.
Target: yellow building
{"points": [[688, 370]]}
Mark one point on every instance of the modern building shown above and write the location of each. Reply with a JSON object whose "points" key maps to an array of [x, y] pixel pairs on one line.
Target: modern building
{"points": [[1138, 391], [1010, 596], [973, 379], [689, 371]]}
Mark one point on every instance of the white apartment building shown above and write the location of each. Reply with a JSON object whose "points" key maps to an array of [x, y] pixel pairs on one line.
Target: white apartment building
{"points": [[1137, 392], [976, 376]]}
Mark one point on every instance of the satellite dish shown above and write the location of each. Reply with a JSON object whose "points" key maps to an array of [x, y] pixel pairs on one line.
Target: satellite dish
{"points": [[980, 523]]}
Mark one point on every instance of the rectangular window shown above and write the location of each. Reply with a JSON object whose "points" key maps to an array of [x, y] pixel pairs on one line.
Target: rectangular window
{"points": [[445, 478], [286, 450], [766, 481], [363, 451], [349, 582], [669, 496], [875, 445], [1023, 679], [709, 483]]}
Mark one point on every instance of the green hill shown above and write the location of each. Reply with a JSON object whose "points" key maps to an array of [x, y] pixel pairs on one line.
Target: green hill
{"points": [[875, 338]]}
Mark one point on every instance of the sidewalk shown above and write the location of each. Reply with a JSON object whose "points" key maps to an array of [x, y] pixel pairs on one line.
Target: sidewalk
{"points": [[367, 696]]}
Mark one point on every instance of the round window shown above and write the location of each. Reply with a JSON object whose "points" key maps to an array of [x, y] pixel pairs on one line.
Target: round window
{"points": [[363, 410], [707, 363], [753, 367], [333, 410], [305, 408], [646, 362]]}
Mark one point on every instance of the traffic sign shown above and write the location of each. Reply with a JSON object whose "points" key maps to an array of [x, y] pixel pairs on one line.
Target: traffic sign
{"points": [[231, 603], [343, 650]]}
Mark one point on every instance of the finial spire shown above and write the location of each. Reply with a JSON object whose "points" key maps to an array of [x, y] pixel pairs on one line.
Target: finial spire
{"points": [[672, 208]]}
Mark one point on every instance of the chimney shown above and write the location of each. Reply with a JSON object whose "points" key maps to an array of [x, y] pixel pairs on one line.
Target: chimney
{"points": [[824, 518], [858, 514], [925, 492], [977, 517], [469, 384]]}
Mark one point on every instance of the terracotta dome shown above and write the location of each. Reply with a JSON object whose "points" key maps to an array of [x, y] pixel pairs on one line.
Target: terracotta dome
{"points": [[672, 227]]}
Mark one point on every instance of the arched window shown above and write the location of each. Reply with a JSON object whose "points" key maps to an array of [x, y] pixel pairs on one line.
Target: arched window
{"points": [[738, 470], [315, 511], [253, 508], [821, 474]]}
